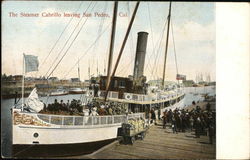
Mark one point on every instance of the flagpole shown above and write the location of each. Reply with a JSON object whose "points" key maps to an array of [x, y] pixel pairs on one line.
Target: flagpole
{"points": [[23, 83]]}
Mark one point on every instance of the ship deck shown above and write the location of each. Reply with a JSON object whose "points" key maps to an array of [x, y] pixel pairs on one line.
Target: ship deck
{"points": [[158, 144]]}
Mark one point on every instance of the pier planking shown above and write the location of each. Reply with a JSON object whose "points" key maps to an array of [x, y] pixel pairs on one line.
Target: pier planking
{"points": [[159, 144]]}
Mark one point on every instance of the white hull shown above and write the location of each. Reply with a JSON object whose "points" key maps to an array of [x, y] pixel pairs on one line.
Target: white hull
{"points": [[68, 135], [77, 91], [59, 92]]}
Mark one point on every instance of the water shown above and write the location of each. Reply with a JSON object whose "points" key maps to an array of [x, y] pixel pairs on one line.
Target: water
{"points": [[195, 93], [192, 94]]}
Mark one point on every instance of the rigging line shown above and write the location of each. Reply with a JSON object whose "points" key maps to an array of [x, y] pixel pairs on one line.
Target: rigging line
{"points": [[130, 62], [174, 46], [88, 49], [70, 44], [105, 60], [157, 53], [68, 40], [60, 36], [98, 32], [152, 37], [131, 37], [159, 40]]}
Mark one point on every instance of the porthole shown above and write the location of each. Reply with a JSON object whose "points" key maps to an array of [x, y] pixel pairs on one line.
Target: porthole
{"points": [[35, 135]]}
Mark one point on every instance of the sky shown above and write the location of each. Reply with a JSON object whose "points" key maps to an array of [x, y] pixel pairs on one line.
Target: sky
{"points": [[192, 31]]}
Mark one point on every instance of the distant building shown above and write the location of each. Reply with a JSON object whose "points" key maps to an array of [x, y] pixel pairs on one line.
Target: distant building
{"points": [[159, 82], [17, 78], [64, 81], [188, 83], [42, 86], [29, 78], [202, 83], [53, 79], [212, 83], [73, 80]]}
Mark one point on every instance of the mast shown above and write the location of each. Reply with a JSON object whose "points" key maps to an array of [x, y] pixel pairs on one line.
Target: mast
{"points": [[79, 73], [89, 71], [111, 47], [23, 83], [122, 48], [166, 49], [78, 70], [97, 67]]}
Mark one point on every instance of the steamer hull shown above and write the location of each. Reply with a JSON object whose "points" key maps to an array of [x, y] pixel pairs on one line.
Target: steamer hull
{"points": [[41, 135], [60, 141]]}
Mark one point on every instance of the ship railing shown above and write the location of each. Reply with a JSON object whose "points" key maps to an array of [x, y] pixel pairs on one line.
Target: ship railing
{"points": [[136, 116], [136, 97], [141, 97], [82, 120], [64, 120], [111, 94]]}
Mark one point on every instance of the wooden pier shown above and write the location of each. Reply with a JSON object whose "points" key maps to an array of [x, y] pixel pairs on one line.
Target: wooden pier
{"points": [[159, 143]]}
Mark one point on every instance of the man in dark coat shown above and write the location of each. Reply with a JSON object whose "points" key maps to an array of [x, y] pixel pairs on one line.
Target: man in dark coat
{"points": [[153, 117], [198, 127]]}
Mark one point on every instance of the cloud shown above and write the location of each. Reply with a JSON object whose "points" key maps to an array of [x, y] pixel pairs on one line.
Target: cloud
{"points": [[193, 31]]}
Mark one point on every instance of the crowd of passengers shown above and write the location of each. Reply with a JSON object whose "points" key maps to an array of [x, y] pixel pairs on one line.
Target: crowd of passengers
{"points": [[91, 108], [201, 121]]}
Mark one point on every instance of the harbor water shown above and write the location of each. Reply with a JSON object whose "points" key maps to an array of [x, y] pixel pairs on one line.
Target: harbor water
{"points": [[192, 94]]}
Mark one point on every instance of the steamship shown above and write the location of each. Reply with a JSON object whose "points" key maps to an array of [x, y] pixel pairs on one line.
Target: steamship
{"points": [[134, 92], [43, 135]]}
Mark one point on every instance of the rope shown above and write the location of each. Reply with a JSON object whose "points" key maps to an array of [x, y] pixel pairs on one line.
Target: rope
{"points": [[60, 36], [98, 32], [67, 41], [70, 44], [158, 51], [152, 37], [132, 50], [87, 50], [149, 64], [174, 47]]}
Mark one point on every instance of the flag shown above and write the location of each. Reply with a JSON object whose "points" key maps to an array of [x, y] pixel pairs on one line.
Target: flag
{"points": [[180, 77], [31, 63], [33, 101]]}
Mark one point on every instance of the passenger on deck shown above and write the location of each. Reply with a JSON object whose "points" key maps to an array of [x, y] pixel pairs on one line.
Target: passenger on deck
{"points": [[68, 104], [93, 112], [102, 111], [89, 105], [110, 111]]}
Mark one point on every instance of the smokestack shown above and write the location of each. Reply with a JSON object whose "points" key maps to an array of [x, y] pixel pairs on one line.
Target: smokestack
{"points": [[140, 54]]}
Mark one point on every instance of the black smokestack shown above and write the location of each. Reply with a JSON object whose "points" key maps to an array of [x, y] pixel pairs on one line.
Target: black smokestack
{"points": [[140, 54]]}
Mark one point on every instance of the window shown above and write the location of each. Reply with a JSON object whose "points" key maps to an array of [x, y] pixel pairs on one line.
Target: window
{"points": [[122, 84]]}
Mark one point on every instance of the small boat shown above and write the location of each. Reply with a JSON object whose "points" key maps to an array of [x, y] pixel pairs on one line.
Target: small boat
{"points": [[77, 91], [58, 92]]}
